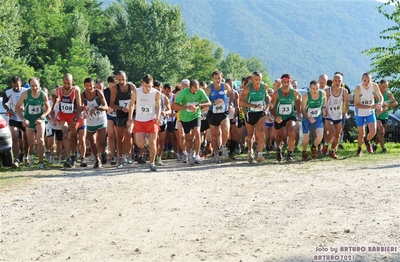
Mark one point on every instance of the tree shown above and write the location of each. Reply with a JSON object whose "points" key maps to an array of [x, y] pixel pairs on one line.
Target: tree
{"points": [[256, 64], [150, 35], [385, 60], [234, 66]]}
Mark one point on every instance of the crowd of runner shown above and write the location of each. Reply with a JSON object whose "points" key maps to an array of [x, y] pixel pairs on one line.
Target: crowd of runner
{"points": [[189, 121]]}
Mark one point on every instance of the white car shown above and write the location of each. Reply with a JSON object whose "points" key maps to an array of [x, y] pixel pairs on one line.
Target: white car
{"points": [[5, 143]]}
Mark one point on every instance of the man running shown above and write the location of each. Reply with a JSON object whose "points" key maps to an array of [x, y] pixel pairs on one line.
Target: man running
{"points": [[382, 116], [95, 106], [218, 114], [313, 103], [255, 100], [37, 107], [147, 102], [189, 102], [337, 98], [10, 98], [69, 98], [121, 96], [364, 103], [284, 101]]}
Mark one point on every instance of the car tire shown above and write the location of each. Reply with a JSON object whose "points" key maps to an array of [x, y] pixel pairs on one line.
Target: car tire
{"points": [[6, 159]]}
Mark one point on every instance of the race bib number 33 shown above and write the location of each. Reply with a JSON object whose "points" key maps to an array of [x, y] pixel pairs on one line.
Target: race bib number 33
{"points": [[285, 109]]}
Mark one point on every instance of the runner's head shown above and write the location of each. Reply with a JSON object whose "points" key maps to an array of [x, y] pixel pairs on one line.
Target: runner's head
{"points": [[383, 85], [16, 83], [294, 84], [286, 80], [67, 81], [337, 80], [217, 77], [157, 85], [323, 80], [147, 83], [99, 85], [35, 84], [167, 89], [314, 87], [203, 85], [194, 86], [121, 78], [111, 80], [366, 79], [89, 84], [256, 78], [185, 83]]}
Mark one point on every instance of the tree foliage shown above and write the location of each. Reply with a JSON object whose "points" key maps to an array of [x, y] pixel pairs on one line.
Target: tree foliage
{"points": [[385, 59]]}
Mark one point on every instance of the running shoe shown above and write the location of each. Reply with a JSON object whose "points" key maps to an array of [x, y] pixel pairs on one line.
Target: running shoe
{"points": [[153, 168], [113, 161], [333, 154], [304, 155], [103, 158], [191, 159], [289, 157], [359, 152], [217, 159], [141, 160], [197, 160], [260, 158], [120, 163], [16, 163], [279, 155], [314, 153], [68, 163], [325, 150], [384, 151], [369, 147], [83, 163], [159, 161], [340, 146], [225, 152], [97, 164], [40, 165]]}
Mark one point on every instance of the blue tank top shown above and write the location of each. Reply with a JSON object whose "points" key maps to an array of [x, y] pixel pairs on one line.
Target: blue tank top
{"points": [[219, 100]]}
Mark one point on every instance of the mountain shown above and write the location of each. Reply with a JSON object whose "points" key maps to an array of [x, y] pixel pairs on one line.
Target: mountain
{"points": [[302, 37]]}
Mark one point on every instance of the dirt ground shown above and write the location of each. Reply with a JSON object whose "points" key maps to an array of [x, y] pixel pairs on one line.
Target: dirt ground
{"points": [[226, 212]]}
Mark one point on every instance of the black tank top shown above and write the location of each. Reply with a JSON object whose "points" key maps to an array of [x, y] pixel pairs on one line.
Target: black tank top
{"points": [[123, 100]]}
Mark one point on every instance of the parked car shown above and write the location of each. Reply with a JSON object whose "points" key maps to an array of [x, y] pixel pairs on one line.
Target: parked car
{"points": [[392, 133], [3, 111], [5, 143]]}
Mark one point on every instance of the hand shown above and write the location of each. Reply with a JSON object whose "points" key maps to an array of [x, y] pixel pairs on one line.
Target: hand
{"points": [[312, 120], [124, 109], [10, 112], [92, 111], [110, 110], [192, 108], [159, 122], [278, 119], [39, 121], [25, 123]]}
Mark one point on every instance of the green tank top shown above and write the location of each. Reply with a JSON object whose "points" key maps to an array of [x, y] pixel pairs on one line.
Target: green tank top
{"points": [[313, 107], [256, 98], [386, 99], [33, 106], [284, 106]]}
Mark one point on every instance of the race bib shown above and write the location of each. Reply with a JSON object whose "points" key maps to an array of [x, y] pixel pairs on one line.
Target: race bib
{"points": [[34, 110], [232, 113], [314, 112], [67, 108], [256, 103], [218, 106], [366, 102], [204, 115], [146, 110], [113, 113], [49, 130], [285, 109], [192, 104], [335, 111], [124, 103]]}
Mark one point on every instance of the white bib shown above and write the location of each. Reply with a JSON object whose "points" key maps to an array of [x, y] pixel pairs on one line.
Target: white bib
{"points": [[67, 108], [285, 109], [314, 112], [34, 110]]}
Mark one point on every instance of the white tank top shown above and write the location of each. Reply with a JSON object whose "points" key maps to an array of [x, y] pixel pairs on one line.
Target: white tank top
{"points": [[335, 105], [366, 98], [98, 117], [145, 105]]}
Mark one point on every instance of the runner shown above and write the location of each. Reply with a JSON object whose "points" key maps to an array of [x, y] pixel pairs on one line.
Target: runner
{"points": [[255, 102], [53, 130], [111, 120], [218, 114], [10, 99], [120, 99], [37, 108], [147, 102], [364, 103], [96, 107], [284, 101], [382, 116], [69, 116], [165, 112], [336, 97], [233, 113], [313, 103], [189, 102]]}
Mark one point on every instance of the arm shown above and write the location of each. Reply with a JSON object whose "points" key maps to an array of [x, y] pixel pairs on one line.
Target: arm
{"points": [[167, 107], [393, 101], [18, 105], [55, 103], [297, 103], [278, 119], [243, 97], [78, 101], [304, 106], [346, 101], [104, 106], [113, 96], [46, 105], [132, 106], [357, 103], [378, 95], [158, 107]]}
